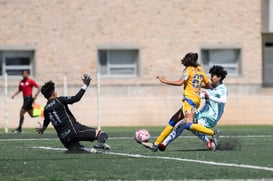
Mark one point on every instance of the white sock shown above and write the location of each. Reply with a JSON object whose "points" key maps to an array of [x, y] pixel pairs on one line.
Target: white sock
{"points": [[202, 136], [175, 133]]}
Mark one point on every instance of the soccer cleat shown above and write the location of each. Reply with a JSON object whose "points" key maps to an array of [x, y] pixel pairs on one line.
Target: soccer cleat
{"points": [[150, 146], [102, 137], [102, 146], [17, 130], [211, 145], [106, 147], [162, 147], [93, 150], [215, 137]]}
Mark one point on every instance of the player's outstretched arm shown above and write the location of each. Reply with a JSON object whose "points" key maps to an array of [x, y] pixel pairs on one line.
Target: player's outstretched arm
{"points": [[16, 93], [170, 82], [86, 79]]}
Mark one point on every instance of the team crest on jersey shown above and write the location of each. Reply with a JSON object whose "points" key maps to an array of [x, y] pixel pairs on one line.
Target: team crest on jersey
{"points": [[24, 83]]}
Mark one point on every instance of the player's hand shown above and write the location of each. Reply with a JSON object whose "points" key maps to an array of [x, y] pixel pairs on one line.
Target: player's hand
{"points": [[40, 129], [161, 78], [205, 94], [86, 79]]}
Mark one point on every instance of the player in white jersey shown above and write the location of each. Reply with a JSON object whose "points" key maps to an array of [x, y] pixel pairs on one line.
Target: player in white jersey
{"points": [[210, 113]]}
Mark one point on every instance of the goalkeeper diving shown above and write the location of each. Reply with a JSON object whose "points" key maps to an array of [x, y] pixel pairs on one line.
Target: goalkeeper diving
{"points": [[70, 132]]}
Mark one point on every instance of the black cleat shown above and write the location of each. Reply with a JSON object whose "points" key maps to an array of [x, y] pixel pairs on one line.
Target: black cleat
{"points": [[102, 137], [102, 146], [17, 130]]}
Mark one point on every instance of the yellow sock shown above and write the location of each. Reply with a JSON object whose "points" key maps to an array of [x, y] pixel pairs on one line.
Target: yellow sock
{"points": [[201, 129], [163, 134]]}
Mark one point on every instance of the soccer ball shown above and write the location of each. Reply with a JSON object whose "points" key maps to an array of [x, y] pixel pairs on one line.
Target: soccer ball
{"points": [[142, 135]]}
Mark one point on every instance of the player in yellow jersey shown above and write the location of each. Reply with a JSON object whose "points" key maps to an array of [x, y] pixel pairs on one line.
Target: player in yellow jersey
{"points": [[193, 78]]}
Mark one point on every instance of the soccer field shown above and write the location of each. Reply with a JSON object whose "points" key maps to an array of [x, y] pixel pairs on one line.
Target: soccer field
{"points": [[245, 152]]}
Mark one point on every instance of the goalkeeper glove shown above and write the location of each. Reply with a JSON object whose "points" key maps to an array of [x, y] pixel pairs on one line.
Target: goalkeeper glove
{"points": [[86, 79]]}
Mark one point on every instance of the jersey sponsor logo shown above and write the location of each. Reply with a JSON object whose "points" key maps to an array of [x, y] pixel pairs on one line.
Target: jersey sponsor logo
{"points": [[65, 134]]}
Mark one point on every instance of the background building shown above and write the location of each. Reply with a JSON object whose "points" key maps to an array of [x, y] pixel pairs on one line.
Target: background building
{"points": [[128, 43]]}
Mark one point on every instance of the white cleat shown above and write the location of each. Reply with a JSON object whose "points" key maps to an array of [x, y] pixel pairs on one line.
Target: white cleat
{"points": [[215, 137], [211, 145], [93, 150], [150, 146]]}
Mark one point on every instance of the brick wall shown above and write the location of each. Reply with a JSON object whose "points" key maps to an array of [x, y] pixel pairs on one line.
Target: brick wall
{"points": [[66, 35]]}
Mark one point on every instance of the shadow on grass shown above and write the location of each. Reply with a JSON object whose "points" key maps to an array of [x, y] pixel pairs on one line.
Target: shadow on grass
{"points": [[226, 144]]}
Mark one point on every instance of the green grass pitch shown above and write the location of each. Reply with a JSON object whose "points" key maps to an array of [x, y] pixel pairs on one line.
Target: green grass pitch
{"points": [[245, 152]]}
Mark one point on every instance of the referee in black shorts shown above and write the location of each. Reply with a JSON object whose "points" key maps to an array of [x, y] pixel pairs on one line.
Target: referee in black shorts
{"points": [[70, 132], [25, 86]]}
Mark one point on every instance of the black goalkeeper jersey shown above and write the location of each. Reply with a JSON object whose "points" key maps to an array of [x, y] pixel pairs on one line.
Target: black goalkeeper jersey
{"points": [[57, 112]]}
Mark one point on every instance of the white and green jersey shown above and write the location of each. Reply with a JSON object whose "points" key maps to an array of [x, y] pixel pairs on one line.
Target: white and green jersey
{"points": [[213, 109]]}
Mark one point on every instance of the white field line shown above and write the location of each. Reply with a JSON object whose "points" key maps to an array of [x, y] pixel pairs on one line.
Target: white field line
{"points": [[49, 148], [28, 139], [194, 161], [125, 138], [174, 158]]}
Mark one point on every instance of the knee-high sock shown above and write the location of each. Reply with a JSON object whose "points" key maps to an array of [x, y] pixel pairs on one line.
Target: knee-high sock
{"points": [[163, 134], [175, 133], [202, 136], [21, 121], [199, 128]]}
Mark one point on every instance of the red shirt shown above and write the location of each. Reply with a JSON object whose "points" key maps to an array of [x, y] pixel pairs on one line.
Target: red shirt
{"points": [[26, 86]]}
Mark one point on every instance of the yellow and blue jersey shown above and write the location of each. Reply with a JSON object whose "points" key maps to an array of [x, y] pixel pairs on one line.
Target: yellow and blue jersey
{"points": [[193, 77]]}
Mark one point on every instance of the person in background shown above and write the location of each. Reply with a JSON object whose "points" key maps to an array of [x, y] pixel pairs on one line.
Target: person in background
{"points": [[26, 86]]}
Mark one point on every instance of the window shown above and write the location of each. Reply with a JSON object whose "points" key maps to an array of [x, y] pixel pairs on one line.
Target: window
{"points": [[118, 63], [267, 15], [13, 62], [228, 58]]}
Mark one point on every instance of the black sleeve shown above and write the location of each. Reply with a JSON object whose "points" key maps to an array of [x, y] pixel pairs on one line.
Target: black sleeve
{"points": [[72, 99], [46, 121]]}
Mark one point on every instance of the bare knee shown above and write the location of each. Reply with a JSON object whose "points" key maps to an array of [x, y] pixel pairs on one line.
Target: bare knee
{"points": [[22, 112], [188, 118]]}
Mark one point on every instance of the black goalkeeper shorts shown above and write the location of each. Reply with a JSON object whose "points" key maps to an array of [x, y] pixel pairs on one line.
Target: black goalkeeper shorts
{"points": [[84, 133], [27, 104]]}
